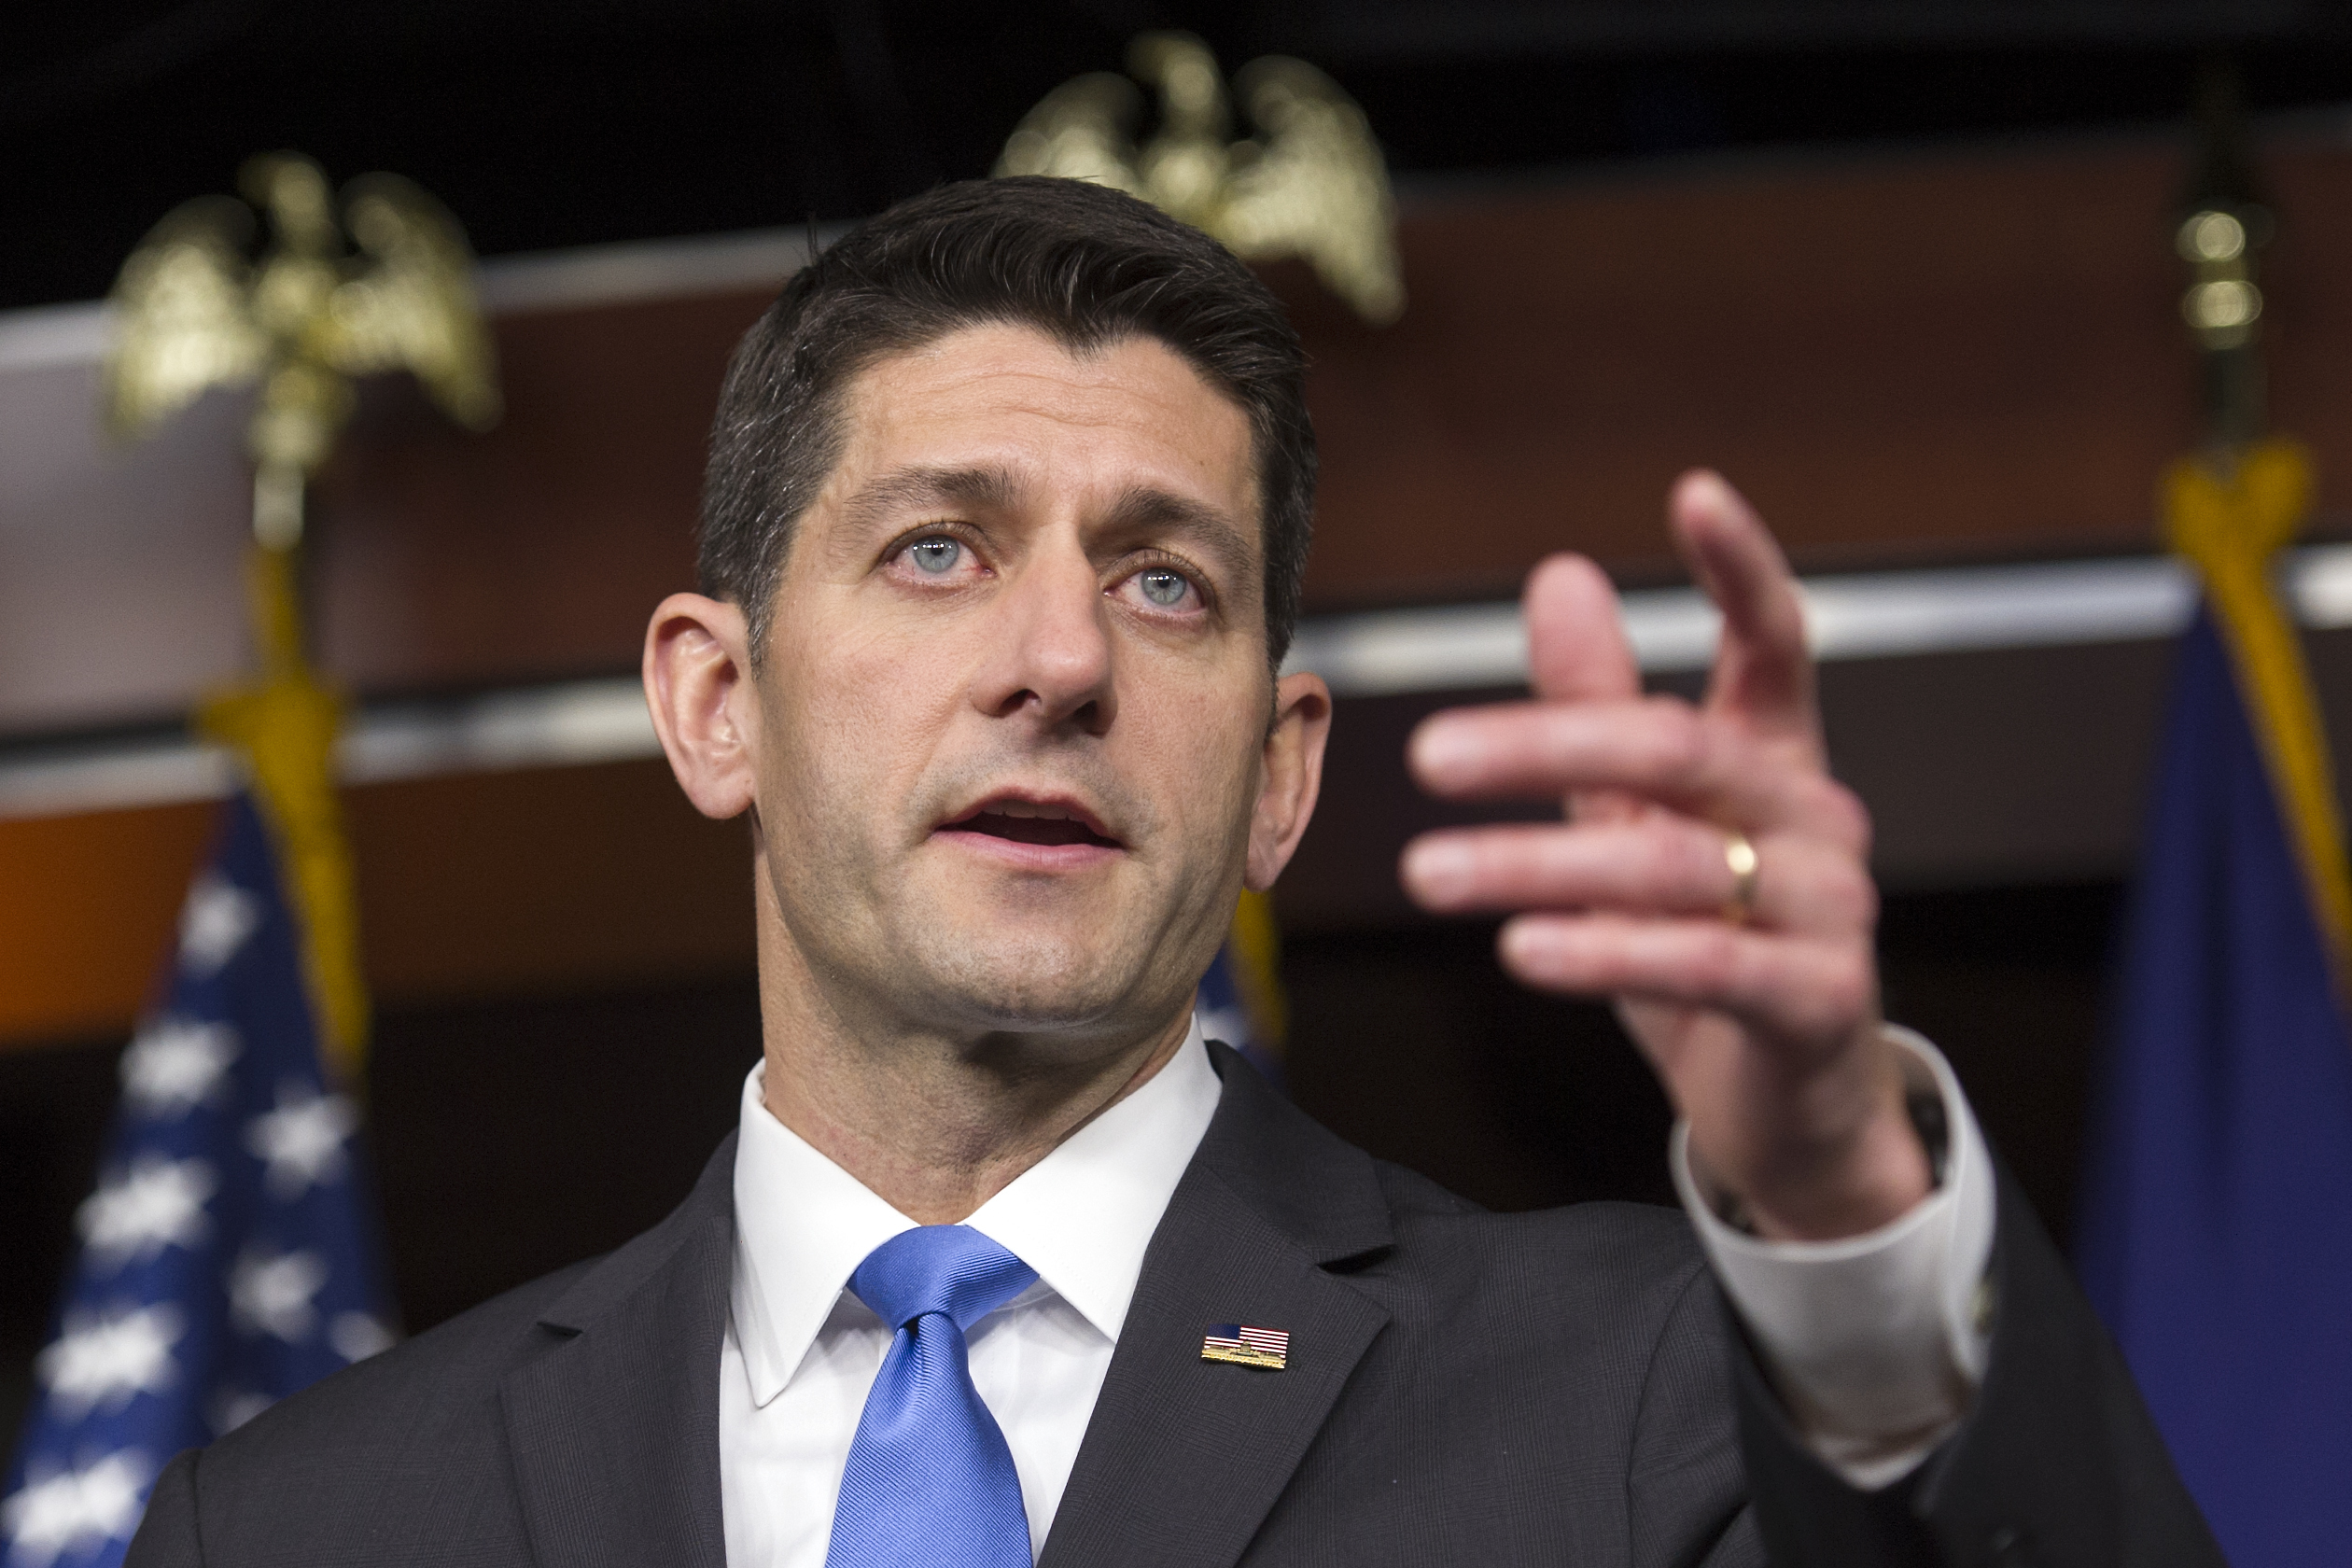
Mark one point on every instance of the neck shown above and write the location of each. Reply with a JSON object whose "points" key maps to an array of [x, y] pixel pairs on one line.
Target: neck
{"points": [[935, 1124]]}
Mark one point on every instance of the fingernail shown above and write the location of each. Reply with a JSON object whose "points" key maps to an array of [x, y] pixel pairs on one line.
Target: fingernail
{"points": [[1527, 946], [1439, 869], [1442, 751], [1703, 485]]}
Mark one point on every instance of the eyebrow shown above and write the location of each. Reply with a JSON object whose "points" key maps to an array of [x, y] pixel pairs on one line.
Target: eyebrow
{"points": [[988, 487], [1143, 506]]}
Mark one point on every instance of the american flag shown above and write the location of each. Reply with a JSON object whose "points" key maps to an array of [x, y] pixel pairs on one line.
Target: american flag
{"points": [[227, 1257], [1245, 1346], [1224, 1016]]}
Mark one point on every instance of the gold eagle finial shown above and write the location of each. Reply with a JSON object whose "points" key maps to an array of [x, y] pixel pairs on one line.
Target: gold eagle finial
{"points": [[389, 287], [386, 284], [1310, 184]]}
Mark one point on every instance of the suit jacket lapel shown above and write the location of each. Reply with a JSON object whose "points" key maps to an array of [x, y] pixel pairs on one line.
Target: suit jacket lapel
{"points": [[1184, 1457], [614, 1430]]}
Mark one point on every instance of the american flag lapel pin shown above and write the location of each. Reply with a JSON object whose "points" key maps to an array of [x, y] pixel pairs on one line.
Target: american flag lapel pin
{"points": [[1244, 1346]]}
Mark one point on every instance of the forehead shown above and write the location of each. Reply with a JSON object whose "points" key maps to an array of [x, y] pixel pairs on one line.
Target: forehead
{"points": [[1130, 411]]}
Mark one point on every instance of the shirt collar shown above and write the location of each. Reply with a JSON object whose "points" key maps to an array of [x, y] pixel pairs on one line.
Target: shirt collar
{"points": [[1082, 1216]]}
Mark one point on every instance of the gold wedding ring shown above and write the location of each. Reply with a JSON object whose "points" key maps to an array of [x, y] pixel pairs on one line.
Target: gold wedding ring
{"points": [[1739, 855]]}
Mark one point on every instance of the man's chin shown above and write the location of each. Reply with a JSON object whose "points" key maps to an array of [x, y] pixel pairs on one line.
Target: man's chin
{"points": [[1035, 983]]}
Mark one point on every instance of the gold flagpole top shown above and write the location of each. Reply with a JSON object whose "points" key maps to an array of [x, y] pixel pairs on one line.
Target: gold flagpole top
{"points": [[2225, 224], [385, 283], [2231, 509], [1310, 184], [388, 285]]}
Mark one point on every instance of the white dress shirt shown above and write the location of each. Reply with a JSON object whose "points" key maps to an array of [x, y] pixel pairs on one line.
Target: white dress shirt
{"points": [[1840, 1324], [801, 1351], [1876, 1342]]}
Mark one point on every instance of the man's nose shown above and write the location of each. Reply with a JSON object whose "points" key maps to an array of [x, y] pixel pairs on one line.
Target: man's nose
{"points": [[1051, 650]]}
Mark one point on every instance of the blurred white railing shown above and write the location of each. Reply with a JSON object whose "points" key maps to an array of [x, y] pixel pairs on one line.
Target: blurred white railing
{"points": [[1863, 615]]}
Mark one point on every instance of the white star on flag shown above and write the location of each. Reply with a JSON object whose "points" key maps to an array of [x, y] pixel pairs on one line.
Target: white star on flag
{"points": [[303, 1140], [231, 1408], [75, 1511], [214, 921], [1228, 1024], [108, 1360], [273, 1294], [176, 1064], [157, 1203], [357, 1336]]}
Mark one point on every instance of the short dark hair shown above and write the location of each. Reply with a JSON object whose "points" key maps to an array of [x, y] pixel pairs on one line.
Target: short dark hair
{"points": [[1084, 264]]}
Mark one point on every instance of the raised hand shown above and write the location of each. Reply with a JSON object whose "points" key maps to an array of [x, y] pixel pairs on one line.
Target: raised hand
{"points": [[1712, 876]]}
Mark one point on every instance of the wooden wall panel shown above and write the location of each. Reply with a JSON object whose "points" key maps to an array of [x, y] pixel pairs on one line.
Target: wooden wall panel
{"points": [[1956, 353], [1894, 358], [119, 594], [1950, 354], [451, 559], [487, 885], [2003, 767], [546, 880], [88, 908]]}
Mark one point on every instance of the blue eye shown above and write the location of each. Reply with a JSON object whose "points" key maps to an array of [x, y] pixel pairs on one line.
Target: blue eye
{"points": [[935, 555], [1163, 588]]}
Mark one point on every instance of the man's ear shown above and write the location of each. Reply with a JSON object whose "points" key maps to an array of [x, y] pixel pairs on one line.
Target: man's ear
{"points": [[698, 686], [1292, 777]]}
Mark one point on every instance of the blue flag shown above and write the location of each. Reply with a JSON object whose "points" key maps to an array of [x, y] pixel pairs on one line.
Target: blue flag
{"points": [[1224, 1014], [227, 1257], [2215, 1234]]}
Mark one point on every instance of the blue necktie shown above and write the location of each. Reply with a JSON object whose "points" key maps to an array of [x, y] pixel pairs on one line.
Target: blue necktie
{"points": [[929, 1479]]}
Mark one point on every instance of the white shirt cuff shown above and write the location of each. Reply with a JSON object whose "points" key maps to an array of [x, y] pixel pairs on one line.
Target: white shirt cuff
{"points": [[1876, 1342]]}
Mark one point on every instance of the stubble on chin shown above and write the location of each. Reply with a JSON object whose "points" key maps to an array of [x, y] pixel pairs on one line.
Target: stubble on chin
{"points": [[943, 941]]}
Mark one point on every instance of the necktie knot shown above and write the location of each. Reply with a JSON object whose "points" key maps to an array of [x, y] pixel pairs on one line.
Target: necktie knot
{"points": [[953, 1270], [930, 1481]]}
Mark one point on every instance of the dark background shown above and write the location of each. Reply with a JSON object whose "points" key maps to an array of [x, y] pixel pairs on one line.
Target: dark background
{"points": [[515, 1135], [512, 1138], [563, 122]]}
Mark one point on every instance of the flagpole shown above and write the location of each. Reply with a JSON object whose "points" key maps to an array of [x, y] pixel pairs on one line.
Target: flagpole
{"points": [[2230, 509], [386, 285], [230, 1256], [284, 725]]}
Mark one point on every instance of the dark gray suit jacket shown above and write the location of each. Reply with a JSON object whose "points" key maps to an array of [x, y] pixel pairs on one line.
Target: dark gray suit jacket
{"points": [[1462, 1387]]}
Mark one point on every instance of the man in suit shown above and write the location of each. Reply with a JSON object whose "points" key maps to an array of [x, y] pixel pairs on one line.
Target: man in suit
{"points": [[1002, 546]]}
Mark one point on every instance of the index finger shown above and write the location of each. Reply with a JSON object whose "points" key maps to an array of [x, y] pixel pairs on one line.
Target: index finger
{"points": [[1763, 670]]}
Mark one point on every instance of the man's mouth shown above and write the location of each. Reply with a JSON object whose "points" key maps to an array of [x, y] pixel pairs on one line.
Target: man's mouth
{"points": [[1047, 824]]}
